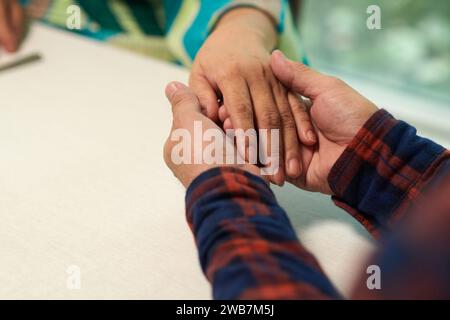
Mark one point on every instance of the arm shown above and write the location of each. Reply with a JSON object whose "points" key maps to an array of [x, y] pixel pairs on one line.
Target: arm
{"points": [[233, 66], [373, 165], [247, 246], [414, 261], [190, 25], [379, 170], [394, 181], [384, 170]]}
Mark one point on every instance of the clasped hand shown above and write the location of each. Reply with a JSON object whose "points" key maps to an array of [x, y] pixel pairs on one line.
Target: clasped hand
{"points": [[333, 110]]}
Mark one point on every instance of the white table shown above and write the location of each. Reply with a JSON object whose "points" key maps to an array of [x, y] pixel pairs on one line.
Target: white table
{"points": [[83, 182]]}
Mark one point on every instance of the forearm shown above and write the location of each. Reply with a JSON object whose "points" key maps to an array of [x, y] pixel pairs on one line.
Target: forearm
{"points": [[247, 246], [269, 21], [383, 170], [281, 30], [415, 260]]}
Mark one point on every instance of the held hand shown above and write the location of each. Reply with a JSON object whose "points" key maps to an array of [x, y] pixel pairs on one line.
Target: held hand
{"points": [[11, 24], [234, 64], [337, 113], [186, 112]]}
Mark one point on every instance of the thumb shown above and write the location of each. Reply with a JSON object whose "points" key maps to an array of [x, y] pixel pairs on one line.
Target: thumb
{"points": [[182, 98], [296, 76]]}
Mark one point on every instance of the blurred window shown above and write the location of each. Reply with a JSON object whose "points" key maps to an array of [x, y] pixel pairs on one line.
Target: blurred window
{"points": [[411, 50]]}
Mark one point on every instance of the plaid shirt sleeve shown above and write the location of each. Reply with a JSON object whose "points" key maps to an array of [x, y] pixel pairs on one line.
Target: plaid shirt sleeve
{"points": [[398, 185], [383, 170], [414, 260], [249, 250], [247, 246]]}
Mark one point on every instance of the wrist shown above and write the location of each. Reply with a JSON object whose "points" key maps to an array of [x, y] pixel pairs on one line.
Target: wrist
{"points": [[214, 177], [250, 22], [351, 163]]}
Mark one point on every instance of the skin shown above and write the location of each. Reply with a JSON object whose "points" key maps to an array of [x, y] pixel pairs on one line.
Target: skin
{"points": [[336, 110], [234, 65], [186, 109], [12, 20]]}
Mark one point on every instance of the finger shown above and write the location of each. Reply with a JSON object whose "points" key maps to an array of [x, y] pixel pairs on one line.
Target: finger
{"points": [[307, 153], [182, 98], [7, 39], [227, 124], [268, 117], [302, 119], [18, 19], [238, 103], [296, 76], [206, 95], [223, 113], [289, 132]]}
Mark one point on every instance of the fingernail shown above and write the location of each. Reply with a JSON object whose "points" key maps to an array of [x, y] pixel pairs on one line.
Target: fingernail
{"points": [[293, 168], [281, 55], [311, 136], [172, 88], [279, 177]]}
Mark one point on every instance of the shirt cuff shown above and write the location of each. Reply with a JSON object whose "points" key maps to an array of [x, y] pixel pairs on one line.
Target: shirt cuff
{"points": [[220, 181], [380, 171]]}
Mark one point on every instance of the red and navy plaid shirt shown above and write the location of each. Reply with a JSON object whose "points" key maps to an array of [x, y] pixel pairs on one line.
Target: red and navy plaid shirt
{"points": [[394, 182]]}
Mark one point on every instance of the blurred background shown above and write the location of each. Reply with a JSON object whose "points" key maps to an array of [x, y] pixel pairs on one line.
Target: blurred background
{"points": [[410, 52]]}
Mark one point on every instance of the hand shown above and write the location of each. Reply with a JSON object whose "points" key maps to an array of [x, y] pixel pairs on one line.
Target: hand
{"points": [[186, 111], [11, 24], [337, 113], [234, 64]]}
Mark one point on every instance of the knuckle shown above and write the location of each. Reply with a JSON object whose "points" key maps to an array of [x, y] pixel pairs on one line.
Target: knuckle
{"points": [[280, 90], [243, 110], [287, 120], [181, 98], [297, 106], [259, 72], [271, 119], [231, 70]]}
